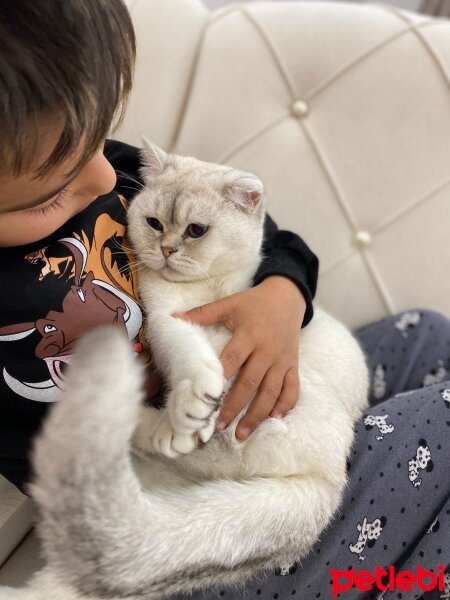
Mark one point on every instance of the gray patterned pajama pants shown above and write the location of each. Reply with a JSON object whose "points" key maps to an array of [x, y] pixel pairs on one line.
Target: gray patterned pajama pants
{"points": [[396, 508]]}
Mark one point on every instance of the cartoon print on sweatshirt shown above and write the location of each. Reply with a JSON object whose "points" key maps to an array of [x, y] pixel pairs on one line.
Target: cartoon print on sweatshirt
{"points": [[368, 534], [445, 395], [379, 381], [53, 265], [102, 290], [435, 375], [407, 321], [379, 421], [421, 461]]}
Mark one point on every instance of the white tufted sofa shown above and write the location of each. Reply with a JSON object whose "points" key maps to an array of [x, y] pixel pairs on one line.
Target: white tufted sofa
{"points": [[342, 109]]}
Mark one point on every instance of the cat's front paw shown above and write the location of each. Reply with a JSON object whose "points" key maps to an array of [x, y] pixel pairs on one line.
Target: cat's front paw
{"points": [[195, 402], [167, 441]]}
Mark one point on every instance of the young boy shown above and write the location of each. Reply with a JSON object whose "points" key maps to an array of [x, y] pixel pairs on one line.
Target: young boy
{"points": [[65, 73]]}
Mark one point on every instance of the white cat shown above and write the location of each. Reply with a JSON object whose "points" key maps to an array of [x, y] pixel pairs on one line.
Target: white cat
{"points": [[214, 513]]}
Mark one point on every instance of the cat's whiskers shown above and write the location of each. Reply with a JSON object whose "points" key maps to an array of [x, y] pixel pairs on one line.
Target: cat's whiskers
{"points": [[117, 244], [127, 250], [116, 252], [136, 265], [131, 264], [130, 187], [126, 176]]}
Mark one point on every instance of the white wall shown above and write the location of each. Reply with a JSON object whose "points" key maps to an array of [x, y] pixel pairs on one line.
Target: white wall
{"points": [[406, 4]]}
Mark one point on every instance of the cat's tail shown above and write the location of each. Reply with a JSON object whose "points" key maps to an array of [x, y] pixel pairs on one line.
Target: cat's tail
{"points": [[104, 536], [85, 487]]}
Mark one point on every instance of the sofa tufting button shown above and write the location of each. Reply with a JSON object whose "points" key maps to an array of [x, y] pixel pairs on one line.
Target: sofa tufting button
{"points": [[362, 239], [299, 109]]}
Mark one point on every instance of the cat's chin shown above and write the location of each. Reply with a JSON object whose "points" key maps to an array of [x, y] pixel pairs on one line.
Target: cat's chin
{"points": [[170, 274], [167, 272]]}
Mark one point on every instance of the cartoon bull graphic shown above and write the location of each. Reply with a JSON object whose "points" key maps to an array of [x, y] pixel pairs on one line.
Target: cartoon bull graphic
{"points": [[90, 302]]}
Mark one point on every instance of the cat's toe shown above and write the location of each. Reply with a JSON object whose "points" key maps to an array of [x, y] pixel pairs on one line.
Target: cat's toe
{"points": [[162, 439], [209, 381], [198, 410], [188, 411], [206, 433], [184, 444], [163, 446]]}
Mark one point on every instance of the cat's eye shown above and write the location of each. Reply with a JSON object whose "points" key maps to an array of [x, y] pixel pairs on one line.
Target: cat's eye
{"points": [[155, 223], [196, 230]]}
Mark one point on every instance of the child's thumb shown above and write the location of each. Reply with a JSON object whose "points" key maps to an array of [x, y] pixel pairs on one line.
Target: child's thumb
{"points": [[206, 314]]}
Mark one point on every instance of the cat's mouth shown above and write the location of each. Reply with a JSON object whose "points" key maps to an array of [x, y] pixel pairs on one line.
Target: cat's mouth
{"points": [[167, 266], [169, 271], [171, 265]]}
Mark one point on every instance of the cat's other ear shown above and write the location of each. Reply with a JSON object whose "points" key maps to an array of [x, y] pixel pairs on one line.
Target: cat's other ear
{"points": [[154, 159], [243, 189]]}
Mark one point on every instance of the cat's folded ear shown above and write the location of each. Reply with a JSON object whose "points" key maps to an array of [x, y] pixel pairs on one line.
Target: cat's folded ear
{"points": [[154, 159], [243, 189]]}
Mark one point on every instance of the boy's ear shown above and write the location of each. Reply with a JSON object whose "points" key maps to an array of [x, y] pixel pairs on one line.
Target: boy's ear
{"points": [[154, 159]]}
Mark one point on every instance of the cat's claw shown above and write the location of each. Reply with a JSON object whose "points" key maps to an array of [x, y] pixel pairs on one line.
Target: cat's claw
{"points": [[207, 431]]}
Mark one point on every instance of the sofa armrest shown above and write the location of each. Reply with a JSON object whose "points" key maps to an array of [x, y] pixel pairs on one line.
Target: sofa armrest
{"points": [[16, 517]]}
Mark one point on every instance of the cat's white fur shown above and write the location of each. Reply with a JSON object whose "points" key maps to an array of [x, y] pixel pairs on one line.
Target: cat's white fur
{"points": [[224, 511]]}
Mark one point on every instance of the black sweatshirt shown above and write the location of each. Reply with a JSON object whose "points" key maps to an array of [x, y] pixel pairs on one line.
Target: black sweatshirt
{"points": [[79, 277]]}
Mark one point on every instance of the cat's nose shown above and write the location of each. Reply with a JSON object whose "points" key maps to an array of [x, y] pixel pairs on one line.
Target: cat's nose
{"points": [[167, 251]]}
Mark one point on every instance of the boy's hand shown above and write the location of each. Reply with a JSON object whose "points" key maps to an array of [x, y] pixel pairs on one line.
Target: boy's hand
{"points": [[266, 322]]}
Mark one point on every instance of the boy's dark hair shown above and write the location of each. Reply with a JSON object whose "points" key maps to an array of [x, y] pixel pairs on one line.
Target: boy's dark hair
{"points": [[72, 59]]}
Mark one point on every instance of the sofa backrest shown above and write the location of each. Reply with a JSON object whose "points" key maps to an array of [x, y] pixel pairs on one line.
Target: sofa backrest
{"points": [[342, 109]]}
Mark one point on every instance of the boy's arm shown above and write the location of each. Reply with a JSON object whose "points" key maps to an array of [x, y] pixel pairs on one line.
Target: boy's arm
{"points": [[286, 254]]}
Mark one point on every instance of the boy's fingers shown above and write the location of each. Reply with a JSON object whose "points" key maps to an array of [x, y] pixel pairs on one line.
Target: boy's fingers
{"points": [[207, 314], [262, 404], [234, 355], [242, 390], [289, 395]]}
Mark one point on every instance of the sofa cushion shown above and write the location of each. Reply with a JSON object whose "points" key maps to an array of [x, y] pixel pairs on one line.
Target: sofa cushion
{"points": [[167, 35]]}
